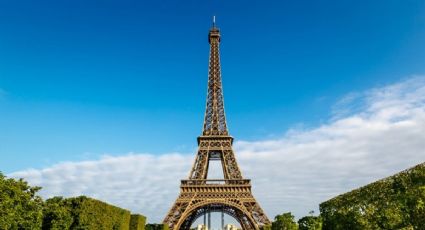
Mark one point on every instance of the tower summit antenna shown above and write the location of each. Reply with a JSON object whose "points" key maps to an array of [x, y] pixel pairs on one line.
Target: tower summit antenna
{"points": [[214, 21]]}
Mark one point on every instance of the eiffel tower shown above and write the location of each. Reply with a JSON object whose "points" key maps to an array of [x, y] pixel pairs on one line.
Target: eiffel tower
{"points": [[232, 195]]}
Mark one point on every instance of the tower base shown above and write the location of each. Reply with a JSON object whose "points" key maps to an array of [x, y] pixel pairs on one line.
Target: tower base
{"points": [[233, 197]]}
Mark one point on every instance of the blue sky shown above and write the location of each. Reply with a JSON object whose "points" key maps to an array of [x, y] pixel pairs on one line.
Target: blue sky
{"points": [[80, 79]]}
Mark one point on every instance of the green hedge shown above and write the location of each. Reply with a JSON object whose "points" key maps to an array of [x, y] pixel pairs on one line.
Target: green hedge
{"points": [[137, 222], [396, 202], [84, 213]]}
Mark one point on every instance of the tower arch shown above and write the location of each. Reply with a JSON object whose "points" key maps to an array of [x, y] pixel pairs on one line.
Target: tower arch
{"points": [[230, 208]]}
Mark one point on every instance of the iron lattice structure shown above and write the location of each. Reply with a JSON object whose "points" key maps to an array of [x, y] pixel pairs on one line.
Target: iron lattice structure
{"points": [[199, 195]]}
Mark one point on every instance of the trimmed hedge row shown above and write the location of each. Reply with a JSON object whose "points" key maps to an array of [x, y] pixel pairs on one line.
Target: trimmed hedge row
{"points": [[396, 202], [137, 222], [89, 214]]}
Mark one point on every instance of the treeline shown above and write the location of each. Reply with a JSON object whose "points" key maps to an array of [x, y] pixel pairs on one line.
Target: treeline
{"points": [[396, 202], [286, 221], [22, 208]]}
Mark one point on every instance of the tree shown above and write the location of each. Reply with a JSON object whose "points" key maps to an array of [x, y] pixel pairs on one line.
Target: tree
{"points": [[285, 221], [57, 214], [20, 207], [310, 223]]}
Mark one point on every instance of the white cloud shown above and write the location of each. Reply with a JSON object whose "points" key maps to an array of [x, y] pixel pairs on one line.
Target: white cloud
{"points": [[292, 173]]}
